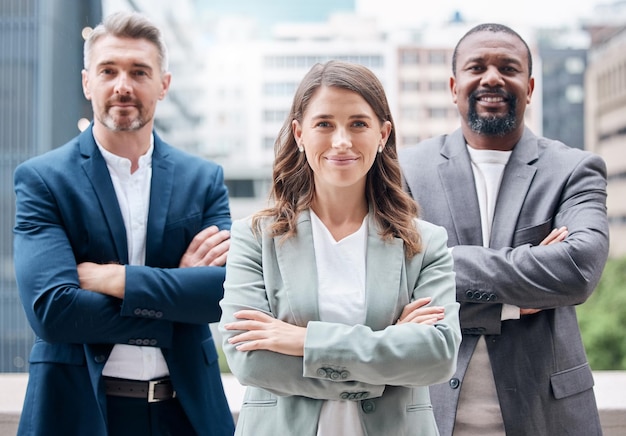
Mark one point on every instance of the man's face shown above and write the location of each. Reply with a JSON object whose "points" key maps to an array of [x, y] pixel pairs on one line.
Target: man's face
{"points": [[491, 86], [124, 82]]}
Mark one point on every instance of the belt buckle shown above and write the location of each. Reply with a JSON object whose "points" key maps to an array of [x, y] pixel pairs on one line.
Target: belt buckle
{"points": [[151, 388]]}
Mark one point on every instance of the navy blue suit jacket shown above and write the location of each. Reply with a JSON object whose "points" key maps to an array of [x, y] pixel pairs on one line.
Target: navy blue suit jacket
{"points": [[67, 213]]}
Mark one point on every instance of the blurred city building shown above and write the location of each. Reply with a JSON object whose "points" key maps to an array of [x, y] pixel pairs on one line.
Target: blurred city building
{"points": [[41, 102], [605, 117]]}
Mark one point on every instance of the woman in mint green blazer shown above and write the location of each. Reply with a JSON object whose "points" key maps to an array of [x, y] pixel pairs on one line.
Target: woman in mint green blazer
{"points": [[339, 306]]}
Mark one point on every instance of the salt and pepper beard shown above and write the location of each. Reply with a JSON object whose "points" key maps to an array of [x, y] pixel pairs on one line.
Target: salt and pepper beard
{"points": [[492, 125], [128, 126]]}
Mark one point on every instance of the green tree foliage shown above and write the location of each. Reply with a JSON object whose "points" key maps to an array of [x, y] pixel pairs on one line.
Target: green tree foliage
{"points": [[602, 319]]}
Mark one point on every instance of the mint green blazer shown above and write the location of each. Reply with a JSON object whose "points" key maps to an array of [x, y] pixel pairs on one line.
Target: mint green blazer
{"points": [[387, 368]]}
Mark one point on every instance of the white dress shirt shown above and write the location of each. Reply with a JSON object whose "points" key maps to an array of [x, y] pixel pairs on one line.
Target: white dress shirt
{"points": [[133, 195]]}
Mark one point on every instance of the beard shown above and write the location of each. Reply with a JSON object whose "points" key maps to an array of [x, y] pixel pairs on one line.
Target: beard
{"points": [[123, 122], [492, 125]]}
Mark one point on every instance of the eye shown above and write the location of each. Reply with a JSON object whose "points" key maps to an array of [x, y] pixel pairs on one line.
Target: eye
{"points": [[140, 73], [359, 124], [323, 124]]}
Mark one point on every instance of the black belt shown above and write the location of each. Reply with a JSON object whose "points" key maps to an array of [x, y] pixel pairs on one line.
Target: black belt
{"points": [[151, 390]]}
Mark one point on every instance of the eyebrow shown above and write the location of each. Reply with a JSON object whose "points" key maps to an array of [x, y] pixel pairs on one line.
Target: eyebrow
{"points": [[135, 64], [507, 60], [328, 116]]}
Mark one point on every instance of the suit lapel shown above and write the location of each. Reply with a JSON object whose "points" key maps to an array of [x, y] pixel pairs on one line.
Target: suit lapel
{"points": [[456, 174], [161, 188], [384, 263], [296, 260], [516, 180], [97, 172]]}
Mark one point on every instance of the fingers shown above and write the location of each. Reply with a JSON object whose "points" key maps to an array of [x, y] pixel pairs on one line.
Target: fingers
{"points": [[420, 302], [556, 235], [528, 311], [208, 248], [419, 312]]}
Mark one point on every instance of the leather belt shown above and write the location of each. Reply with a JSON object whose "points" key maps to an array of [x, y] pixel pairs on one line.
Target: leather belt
{"points": [[151, 390]]}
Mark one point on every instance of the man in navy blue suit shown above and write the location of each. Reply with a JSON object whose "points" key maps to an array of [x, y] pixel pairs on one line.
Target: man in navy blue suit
{"points": [[120, 246]]}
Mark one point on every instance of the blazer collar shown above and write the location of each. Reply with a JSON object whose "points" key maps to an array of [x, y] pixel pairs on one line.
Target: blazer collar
{"points": [[457, 171], [96, 170], [516, 180], [161, 189], [160, 193], [384, 263]]}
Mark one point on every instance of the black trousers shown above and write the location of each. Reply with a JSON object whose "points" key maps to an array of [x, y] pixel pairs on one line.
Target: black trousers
{"points": [[137, 417]]}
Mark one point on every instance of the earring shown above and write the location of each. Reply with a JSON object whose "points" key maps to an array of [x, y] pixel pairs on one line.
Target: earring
{"points": [[380, 148], [300, 148]]}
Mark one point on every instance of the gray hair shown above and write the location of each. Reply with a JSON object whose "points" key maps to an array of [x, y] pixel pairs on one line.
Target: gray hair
{"points": [[127, 25]]}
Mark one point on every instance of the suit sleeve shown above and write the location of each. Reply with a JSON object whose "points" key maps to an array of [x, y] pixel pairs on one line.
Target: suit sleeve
{"points": [[189, 295], [542, 277], [280, 374], [57, 309], [402, 355]]}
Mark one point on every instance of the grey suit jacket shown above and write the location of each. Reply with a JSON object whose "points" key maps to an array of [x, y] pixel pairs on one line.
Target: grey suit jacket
{"points": [[542, 377], [384, 367]]}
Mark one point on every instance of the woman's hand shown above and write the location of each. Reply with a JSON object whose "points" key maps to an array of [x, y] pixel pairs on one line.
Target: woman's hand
{"points": [[419, 312], [263, 332]]}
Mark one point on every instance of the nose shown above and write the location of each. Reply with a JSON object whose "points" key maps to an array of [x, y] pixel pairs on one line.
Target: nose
{"points": [[341, 139], [492, 77], [122, 85]]}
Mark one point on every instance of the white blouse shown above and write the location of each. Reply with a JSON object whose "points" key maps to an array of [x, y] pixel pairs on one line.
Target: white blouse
{"points": [[341, 299]]}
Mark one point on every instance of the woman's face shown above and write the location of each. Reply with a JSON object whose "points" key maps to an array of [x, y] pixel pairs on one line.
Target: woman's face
{"points": [[341, 136]]}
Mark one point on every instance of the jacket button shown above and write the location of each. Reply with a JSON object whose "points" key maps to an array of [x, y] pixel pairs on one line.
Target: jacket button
{"points": [[345, 374], [344, 395], [368, 406], [137, 311], [322, 373], [469, 294], [99, 358], [334, 375], [454, 383]]}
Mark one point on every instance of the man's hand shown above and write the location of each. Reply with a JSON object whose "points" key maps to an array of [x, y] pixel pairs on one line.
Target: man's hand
{"points": [[263, 332], [419, 312], [556, 235], [108, 279], [208, 248]]}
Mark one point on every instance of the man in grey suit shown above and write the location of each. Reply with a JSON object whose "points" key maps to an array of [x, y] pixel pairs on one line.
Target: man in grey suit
{"points": [[526, 219]]}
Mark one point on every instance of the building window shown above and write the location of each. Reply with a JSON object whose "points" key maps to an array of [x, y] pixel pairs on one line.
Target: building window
{"points": [[575, 94], [574, 65], [409, 85], [437, 57], [409, 58]]}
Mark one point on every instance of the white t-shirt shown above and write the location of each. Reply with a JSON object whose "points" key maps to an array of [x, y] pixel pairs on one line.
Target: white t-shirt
{"points": [[341, 296]]}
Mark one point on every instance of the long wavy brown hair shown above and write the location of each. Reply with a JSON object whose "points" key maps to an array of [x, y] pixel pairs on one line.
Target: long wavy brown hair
{"points": [[293, 185]]}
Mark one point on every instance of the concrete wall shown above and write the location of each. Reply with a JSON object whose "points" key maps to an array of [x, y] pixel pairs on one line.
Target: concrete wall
{"points": [[610, 391]]}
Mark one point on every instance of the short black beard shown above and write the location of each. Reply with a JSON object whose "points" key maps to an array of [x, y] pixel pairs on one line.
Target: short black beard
{"points": [[492, 125]]}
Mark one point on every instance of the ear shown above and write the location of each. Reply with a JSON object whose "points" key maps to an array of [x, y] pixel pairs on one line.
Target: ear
{"points": [[165, 85], [85, 80], [296, 128], [531, 88], [385, 131], [453, 89]]}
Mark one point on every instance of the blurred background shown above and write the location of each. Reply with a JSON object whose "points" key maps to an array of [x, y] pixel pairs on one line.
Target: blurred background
{"points": [[237, 63]]}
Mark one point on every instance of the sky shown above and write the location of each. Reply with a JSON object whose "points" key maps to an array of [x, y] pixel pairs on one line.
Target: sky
{"points": [[544, 13]]}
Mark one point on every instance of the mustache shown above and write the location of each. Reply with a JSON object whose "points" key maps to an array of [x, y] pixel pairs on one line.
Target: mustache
{"points": [[124, 99]]}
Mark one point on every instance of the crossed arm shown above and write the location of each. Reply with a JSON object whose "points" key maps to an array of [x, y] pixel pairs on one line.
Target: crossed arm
{"points": [[208, 248]]}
